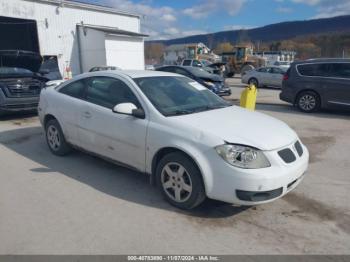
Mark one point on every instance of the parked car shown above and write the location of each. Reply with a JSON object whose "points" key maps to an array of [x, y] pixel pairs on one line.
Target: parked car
{"points": [[219, 68], [104, 68], [54, 83], [213, 82], [149, 67], [264, 76], [317, 83], [191, 142], [282, 64], [198, 63], [50, 66], [20, 81]]}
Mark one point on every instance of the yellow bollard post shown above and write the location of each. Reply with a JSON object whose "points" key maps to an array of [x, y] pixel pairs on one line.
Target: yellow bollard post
{"points": [[248, 97]]}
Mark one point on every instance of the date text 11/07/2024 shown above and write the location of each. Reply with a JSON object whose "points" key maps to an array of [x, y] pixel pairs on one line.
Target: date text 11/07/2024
{"points": [[173, 258]]}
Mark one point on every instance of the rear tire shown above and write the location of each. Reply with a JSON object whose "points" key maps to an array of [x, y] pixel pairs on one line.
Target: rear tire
{"points": [[180, 181], [308, 101], [55, 138], [230, 74]]}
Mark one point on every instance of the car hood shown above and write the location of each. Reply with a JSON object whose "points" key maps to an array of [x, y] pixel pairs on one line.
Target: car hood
{"points": [[22, 59], [212, 77], [208, 69], [239, 126]]}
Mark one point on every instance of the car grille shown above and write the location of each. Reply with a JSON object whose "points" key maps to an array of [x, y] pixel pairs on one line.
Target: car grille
{"points": [[298, 148], [27, 87], [21, 106], [288, 155]]}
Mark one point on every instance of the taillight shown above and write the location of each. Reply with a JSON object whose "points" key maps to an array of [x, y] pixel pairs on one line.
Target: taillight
{"points": [[285, 77]]}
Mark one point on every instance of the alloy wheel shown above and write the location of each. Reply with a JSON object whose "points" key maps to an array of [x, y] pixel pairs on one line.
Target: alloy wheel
{"points": [[53, 138], [307, 102], [176, 182]]}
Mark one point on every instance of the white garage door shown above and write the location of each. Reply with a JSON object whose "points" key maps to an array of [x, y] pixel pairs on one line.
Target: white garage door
{"points": [[125, 52]]}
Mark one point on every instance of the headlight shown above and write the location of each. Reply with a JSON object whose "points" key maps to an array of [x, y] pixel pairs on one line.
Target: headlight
{"points": [[209, 83], [243, 156]]}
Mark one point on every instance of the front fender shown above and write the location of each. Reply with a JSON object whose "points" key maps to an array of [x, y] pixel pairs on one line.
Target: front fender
{"points": [[160, 137]]}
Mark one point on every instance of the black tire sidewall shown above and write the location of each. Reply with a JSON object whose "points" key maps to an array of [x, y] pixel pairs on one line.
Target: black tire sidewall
{"points": [[198, 191], [64, 146], [256, 80], [317, 99]]}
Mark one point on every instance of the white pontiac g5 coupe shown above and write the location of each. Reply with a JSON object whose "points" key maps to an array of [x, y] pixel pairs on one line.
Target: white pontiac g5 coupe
{"points": [[191, 142]]}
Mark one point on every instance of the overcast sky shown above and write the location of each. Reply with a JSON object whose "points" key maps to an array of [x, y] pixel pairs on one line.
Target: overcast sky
{"points": [[164, 19]]}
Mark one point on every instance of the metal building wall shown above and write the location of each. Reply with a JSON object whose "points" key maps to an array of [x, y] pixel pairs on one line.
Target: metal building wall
{"points": [[57, 26]]}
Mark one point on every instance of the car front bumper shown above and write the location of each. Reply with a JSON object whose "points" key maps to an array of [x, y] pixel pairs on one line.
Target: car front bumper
{"points": [[16, 104], [226, 91], [253, 186]]}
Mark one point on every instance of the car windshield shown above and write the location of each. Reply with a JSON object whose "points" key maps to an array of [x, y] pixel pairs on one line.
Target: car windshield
{"points": [[178, 95], [14, 71]]}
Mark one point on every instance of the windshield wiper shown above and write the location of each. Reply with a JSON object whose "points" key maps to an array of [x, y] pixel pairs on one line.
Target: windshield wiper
{"points": [[206, 108], [180, 112]]}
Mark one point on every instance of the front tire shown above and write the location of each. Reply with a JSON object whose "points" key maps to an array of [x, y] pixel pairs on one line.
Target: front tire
{"points": [[253, 81], [180, 181], [55, 138], [308, 102], [230, 74]]}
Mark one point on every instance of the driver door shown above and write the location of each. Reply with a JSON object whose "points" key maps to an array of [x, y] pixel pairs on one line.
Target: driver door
{"points": [[116, 136]]}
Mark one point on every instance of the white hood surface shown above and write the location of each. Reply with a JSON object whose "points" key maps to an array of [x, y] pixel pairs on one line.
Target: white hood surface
{"points": [[239, 126]]}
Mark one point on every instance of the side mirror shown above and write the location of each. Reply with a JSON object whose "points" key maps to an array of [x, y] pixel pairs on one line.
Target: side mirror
{"points": [[129, 109]]}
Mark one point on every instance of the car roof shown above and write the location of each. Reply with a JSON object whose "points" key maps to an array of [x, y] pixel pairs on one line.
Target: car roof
{"points": [[140, 73], [323, 60], [269, 66], [177, 66]]}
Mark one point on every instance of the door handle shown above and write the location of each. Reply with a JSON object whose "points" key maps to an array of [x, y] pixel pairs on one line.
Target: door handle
{"points": [[87, 114]]}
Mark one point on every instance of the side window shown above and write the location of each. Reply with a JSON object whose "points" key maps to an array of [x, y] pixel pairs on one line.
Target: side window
{"points": [[74, 89], [322, 70], [341, 70], [108, 92], [277, 71], [307, 69], [314, 70], [262, 70], [186, 62], [269, 70]]}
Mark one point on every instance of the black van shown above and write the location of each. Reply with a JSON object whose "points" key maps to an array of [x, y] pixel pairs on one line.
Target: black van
{"points": [[317, 83]]}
